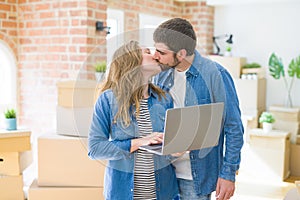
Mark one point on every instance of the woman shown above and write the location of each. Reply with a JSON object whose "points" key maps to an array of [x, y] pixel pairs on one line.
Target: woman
{"points": [[128, 114]]}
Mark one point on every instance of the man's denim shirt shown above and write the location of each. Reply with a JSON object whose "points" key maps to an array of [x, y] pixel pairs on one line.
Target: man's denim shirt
{"points": [[208, 82], [109, 140]]}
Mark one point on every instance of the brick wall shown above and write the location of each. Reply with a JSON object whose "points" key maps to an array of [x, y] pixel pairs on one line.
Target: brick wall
{"points": [[202, 18], [54, 40], [9, 25], [132, 9], [198, 13]]}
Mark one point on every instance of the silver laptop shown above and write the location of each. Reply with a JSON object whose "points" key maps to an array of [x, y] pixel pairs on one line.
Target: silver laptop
{"points": [[190, 128]]}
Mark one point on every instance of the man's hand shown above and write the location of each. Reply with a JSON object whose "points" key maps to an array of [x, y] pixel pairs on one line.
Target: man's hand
{"points": [[225, 189], [179, 154]]}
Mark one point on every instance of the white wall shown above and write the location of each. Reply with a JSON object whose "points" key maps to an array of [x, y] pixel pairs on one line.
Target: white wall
{"points": [[258, 30]]}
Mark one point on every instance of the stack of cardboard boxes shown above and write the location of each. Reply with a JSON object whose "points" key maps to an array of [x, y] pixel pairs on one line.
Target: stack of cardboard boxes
{"points": [[15, 157], [251, 92], [288, 119], [64, 169]]}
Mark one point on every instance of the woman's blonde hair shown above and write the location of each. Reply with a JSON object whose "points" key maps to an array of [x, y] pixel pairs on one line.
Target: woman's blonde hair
{"points": [[125, 79]]}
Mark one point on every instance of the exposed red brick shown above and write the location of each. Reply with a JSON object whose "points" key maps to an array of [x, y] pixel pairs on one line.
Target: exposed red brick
{"points": [[43, 6], [3, 15], [47, 15], [12, 1], [5, 7], [72, 4], [55, 46]]}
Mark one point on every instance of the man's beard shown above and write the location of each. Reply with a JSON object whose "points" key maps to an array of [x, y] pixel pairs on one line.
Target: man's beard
{"points": [[164, 67]]}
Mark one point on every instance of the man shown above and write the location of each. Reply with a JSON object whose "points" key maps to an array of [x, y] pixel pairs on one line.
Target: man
{"points": [[191, 80]]}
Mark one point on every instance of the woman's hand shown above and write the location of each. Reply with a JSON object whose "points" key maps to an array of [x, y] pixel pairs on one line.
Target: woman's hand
{"points": [[153, 138]]}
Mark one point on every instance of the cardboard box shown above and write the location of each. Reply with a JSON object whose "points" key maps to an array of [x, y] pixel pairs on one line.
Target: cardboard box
{"points": [[295, 161], [15, 141], [73, 121], [252, 117], [292, 194], [259, 72], [285, 113], [63, 161], [77, 93], [250, 121], [13, 163], [232, 64], [290, 126], [64, 193], [273, 150], [251, 93], [297, 183], [11, 188]]}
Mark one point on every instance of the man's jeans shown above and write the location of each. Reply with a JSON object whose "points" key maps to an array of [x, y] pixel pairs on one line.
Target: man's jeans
{"points": [[187, 192]]}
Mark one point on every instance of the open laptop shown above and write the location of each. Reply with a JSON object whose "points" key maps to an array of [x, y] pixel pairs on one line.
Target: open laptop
{"points": [[190, 128]]}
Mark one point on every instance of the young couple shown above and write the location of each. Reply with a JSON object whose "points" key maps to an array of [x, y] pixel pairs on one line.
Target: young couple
{"points": [[130, 113]]}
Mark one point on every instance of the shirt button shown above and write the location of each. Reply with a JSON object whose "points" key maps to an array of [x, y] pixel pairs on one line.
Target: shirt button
{"points": [[169, 84], [131, 190]]}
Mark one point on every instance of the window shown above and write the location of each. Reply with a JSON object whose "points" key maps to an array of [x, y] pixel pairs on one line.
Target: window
{"points": [[148, 23], [115, 20], [8, 88]]}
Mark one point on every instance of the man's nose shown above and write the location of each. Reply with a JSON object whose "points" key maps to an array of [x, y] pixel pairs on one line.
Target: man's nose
{"points": [[156, 55]]}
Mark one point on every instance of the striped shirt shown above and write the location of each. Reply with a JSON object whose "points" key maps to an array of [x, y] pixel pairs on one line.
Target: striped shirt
{"points": [[144, 179]]}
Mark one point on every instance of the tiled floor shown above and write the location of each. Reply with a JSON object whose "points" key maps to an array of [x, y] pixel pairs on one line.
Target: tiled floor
{"points": [[250, 185], [259, 185], [255, 188]]}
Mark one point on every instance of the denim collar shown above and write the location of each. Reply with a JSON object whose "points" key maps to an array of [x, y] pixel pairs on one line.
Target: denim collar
{"points": [[196, 64]]}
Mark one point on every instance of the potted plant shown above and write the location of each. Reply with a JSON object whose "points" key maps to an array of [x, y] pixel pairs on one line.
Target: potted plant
{"points": [[252, 69], [10, 119], [267, 119], [276, 70], [100, 68], [228, 51]]}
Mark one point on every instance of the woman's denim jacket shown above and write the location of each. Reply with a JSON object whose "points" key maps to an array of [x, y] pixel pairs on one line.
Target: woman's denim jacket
{"points": [[109, 140], [208, 82]]}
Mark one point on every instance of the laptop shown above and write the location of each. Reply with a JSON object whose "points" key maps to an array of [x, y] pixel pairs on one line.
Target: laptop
{"points": [[190, 128]]}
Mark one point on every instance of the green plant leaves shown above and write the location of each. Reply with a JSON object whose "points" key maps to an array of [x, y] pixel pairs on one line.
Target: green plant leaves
{"points": [[10, 113], [276, 68], [100, 66], [294, 67], [266, 117], [251, 66]]}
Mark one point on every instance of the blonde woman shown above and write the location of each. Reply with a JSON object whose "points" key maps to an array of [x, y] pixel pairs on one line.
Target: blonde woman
{"points": [[130, 113]]}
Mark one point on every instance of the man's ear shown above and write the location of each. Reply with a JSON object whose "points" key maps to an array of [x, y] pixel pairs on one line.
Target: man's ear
{"points": [[181, 54]]}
